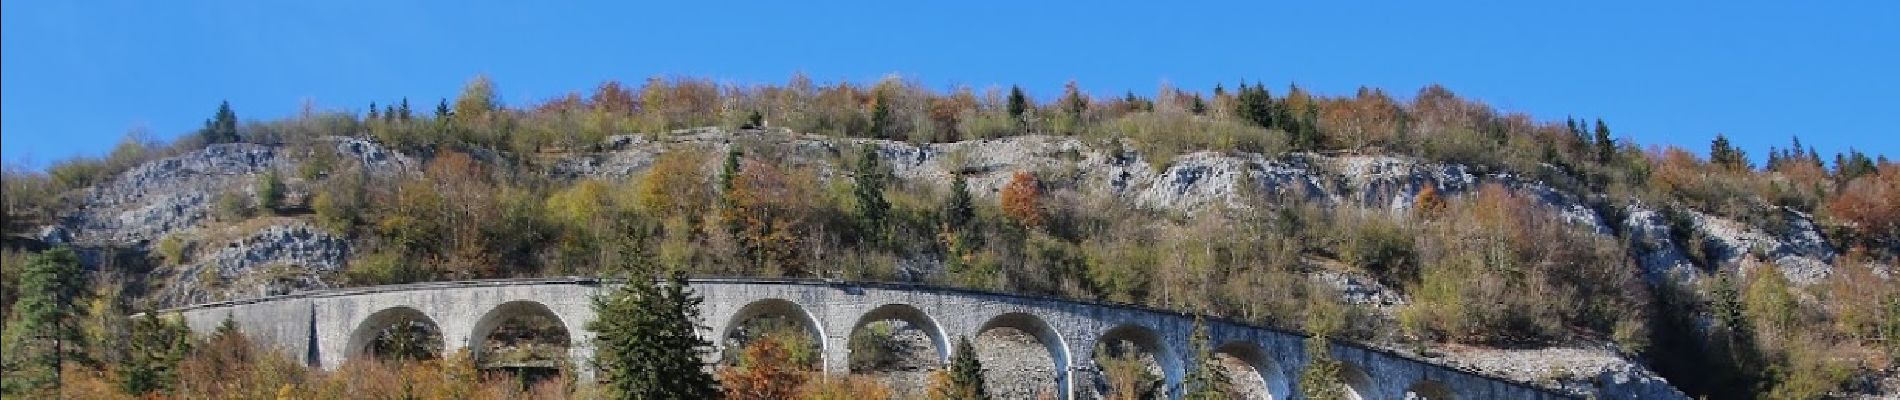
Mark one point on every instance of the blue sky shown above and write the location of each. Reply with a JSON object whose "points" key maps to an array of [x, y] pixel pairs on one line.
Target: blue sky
{"points": [[79, 75]]}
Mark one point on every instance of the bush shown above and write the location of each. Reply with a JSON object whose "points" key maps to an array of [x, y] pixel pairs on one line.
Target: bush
{"points": [[174, 248], [270, 191], [231, 206]]}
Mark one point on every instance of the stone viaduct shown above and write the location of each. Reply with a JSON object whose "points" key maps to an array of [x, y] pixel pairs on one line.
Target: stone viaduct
{"points": [[329, 327]]}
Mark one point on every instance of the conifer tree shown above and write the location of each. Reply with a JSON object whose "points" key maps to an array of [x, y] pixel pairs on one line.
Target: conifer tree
{"points": [[442, 111], [1606, 147], [1018, 103], [966, 374], [729, 170], [1206, 381], [873, 208], [373, 114], [647, 337], [222, 127], [45, 334], [959, 210], [1722, 154], [402, 112], [1199, 107], [881, 116], [157, 346]]}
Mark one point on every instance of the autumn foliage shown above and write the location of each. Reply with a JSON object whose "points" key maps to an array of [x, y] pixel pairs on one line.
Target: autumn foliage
{"points": [[766, 372], [1022, 199]]}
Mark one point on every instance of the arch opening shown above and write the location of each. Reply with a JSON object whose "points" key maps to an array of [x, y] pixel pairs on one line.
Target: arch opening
{"points": [[523, 338], [783, 321], [1022, 357], [1430, 390], [1134, 362], [396, 333], [898, 345], [1250, 372], [1358, 384]]}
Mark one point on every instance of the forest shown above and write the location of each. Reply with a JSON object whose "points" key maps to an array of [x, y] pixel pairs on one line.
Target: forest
{"points": [[1489, 268]]}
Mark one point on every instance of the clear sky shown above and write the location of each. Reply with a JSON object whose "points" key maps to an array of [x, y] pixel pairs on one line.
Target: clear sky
{"points": [[79, 75]]}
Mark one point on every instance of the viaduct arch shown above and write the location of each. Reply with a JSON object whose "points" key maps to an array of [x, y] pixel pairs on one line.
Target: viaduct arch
{"points": [[329, 327]]}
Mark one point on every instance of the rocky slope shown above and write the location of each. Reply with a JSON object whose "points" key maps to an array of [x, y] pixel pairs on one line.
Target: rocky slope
{"points": [[172, 200]]}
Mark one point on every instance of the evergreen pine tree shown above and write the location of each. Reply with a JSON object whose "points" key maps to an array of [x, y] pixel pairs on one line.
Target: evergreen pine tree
{"points": [[647, 340], [1324, 377], [157, 346], [966, 374], [1018, 103], [881, 116], [1725, 155], [1199, 107], [222, 127], [1606, 147], [402, 112], [45, 332], [442, 111], [1207, 380], [729, 170], [873, 208], [389, 113], [373, 114], [959, 210]]}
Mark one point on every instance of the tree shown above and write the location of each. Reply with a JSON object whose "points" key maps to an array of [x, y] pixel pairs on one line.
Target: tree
{"points": [[222, 127], [1207, 380], [1074, 102], [402, 112], [1022, 199], [1724, 155], [477, 98], [1324, 377], [1018, 103], [1606, 147], [647, 343], [765, 372], [45, 333], [442, 111], [881, 115], [964, 378], [873, 209], [959, 210], [730, 169], [157, 346]]}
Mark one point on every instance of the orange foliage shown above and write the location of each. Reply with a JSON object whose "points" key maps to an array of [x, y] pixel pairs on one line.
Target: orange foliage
{"points": [[1022, 199], [1370, 118], [613, 98], [768, 209], [765, 373], [1871, 203], [1428, 202]]}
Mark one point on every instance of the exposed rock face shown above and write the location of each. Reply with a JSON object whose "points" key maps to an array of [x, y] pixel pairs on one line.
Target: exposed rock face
{"points": [[1588, 373], [276, 259], [162, 196], [1660, 256], [1800, 253]]}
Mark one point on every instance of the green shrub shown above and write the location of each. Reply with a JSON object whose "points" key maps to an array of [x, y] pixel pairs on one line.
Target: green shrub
{"points": [[174, 248]]}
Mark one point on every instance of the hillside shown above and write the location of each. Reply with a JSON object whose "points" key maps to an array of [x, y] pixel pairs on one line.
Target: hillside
{"points": [[1545, 252]]}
